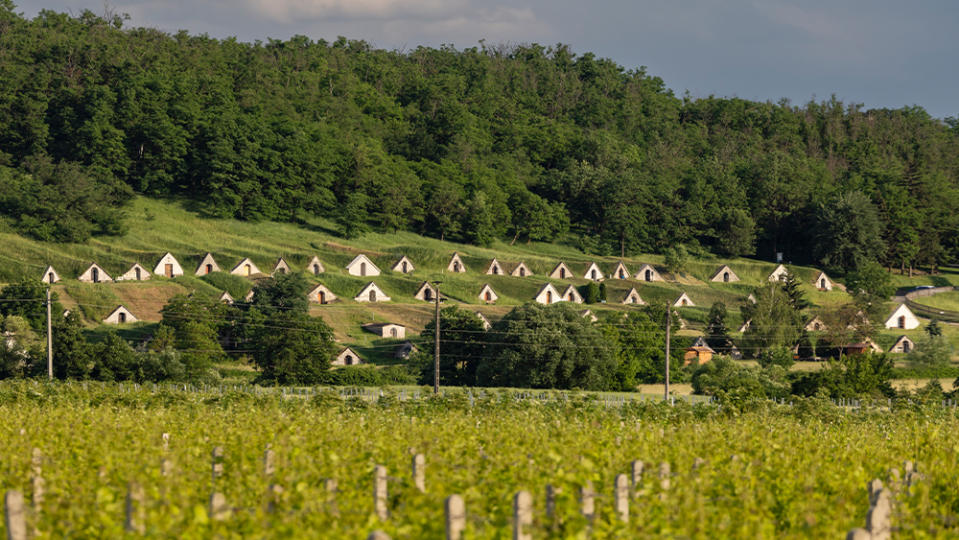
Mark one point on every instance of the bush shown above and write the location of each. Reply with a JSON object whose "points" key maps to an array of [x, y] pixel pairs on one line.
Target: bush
{"points": [[370, 376], [778, 356], [725, 378]]}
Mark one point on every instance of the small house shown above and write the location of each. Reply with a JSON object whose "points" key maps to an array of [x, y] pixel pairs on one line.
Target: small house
{"points": [[699, 352], [135, 273], [347, 357], [561, 272], [778, 274], [724, 274], [50, 276], [902, 345], [120, 315], [751, 298], [648, 273], [589, 315], [387, 330], [593, 272], [321, 294], [207, 265], [94, 274], [281, 267], [866, 346], [744, 327], [487, 294], [315, 267], [521, 270], [456, 264], [572, 295], [494, 268], [404, 350], [362, 266], [226, 298], [815, 325], [371, 293], [484, 321], [547, 294], [902, 318], [248, 297], [822, 282], [168, 266], [632, 297], [684, 301], [620, 271], [245, 268], [426, 292], [403, 266]]}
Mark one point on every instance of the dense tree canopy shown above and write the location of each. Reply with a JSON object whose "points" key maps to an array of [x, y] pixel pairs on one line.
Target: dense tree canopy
{"points": [[515, 142]]}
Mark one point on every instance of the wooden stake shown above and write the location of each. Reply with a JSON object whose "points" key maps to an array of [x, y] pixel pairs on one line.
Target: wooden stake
{"points": [[378, 535], [587, 504], [216, 459], [522, 515], [419, 472], [15, 516], [551, 493], [380, 493], [455, 517], [268, 468], [622, 498], [219, 510], [637, 467], [331, 487], [135, 511]]}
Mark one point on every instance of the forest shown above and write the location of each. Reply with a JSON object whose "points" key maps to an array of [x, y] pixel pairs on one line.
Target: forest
{"points": [[520, 143]]}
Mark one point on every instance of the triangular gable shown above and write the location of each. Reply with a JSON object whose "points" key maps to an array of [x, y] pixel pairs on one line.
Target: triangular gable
{"points": [[684, 301], [362, 266], [815, 325], [632, 297], [724, 274], [620, 271], [745, 326], [648, 273], [371, 293], [50, 276], [315, 266], [456, 264], [207, 265], [872, 345], [487, 294], [94, 274], [281, 266], [426, 293], [593, 272], [484, 320], [547, 294], [120, 315], [246, 268], [404, 350], [404, 265], [321, 294], [572, 295], [347, 357], [136, 273], [226, 298], [822, 282], [561, 272], [494, 268], [168, 266], [588, 314], [778, 273], [521, 270], [751, 298], [903, 345], [248, 297], [902, 317]]}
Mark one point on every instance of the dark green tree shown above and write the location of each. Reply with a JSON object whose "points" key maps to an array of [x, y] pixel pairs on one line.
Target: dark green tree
{"points": [[849, 233]]}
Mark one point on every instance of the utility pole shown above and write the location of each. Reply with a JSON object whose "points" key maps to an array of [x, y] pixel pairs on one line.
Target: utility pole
{"points": [[666, 393], [49, 338], [436, 334]]}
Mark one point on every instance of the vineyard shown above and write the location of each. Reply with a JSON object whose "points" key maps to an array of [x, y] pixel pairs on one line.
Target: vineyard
{"points": [[109, 461]]}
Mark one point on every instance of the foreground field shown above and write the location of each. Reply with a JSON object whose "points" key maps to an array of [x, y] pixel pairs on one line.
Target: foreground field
{"points": [[773, 472]]}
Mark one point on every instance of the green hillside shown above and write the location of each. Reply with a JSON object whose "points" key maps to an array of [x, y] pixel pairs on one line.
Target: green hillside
{"points": [[157, 227]]}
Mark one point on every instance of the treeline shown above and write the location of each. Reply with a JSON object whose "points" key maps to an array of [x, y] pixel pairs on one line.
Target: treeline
{"points": [[519, 143]]}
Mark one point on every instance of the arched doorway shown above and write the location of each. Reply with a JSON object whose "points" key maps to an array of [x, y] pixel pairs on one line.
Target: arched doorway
{"points": [[902, 321], [372, 295], [649, 275], [428, 295], [322, 297], [96, 275], [404, 267], [209, 268], [726, 277], [363, 269], [122, 317], [549, 297], [137, 272]]}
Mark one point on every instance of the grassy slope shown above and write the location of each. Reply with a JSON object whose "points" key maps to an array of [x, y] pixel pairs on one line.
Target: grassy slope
{"points": [[157, 226]]}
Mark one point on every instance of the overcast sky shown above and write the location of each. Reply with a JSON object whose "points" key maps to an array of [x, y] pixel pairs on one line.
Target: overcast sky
{"points": [[882, 53]]}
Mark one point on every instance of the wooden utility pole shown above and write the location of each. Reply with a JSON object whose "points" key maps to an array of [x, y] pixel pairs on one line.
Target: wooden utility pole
{"points": [[49, 338], [436, 334], [666, 393]]}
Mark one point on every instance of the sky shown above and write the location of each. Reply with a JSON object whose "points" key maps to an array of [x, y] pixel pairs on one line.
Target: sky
{"points": [[880, 53]]}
